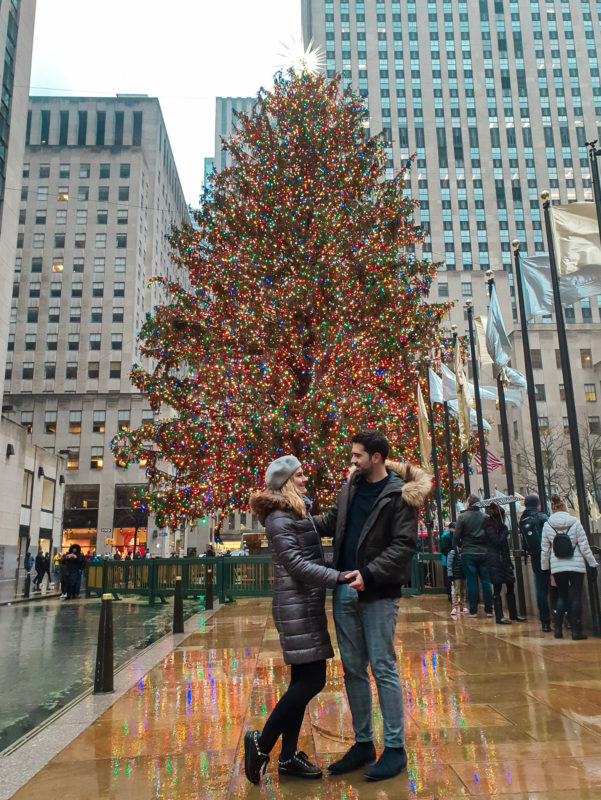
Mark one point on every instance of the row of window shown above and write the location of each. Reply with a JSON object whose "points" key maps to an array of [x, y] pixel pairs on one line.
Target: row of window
{"points": [[42, 193], [71, 370], [78, 264], [586, 358], [94, 340], [73, 343], [56, 288], [81, 216], [85, 171], [62, 133], [75, 418], [80, 241], [54, 315]]}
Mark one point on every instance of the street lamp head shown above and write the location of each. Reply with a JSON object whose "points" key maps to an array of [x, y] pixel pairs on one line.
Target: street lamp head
{"points": [[515, 243], [489, 274], [468, 303], [544, 195], [454, 328]]}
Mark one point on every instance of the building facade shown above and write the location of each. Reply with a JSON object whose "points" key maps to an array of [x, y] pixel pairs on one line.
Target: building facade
{"points": [[496, 100], [225, 120], [100, 192]]}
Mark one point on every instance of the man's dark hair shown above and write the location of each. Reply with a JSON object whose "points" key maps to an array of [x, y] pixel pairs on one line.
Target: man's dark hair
{"points": [[373, 442], [472, 500]]}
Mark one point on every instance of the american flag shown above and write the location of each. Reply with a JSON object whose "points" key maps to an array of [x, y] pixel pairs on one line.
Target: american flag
{"points": [[492, 462]]}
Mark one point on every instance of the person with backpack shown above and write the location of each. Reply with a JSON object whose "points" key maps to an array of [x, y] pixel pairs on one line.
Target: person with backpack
{"points": [[500, 566], [531, 530], [565, 551], [471, 543]]}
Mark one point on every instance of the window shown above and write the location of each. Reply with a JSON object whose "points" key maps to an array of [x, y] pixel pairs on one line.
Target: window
{"points": [[594, 425], [80, 240], [73, 341], [38, 240], [27, 371], [117, 314], [93, 369], [78, 264], [103, 194], [537, 361], [34, 289], [123, 420], [73, 457], [74, 421], [76, 289], [50, 422], [137, 133], [558, 359], [98, 289], [121, 240], [50, 370], [99, 264], [124, 170], [27, 490], [119, 264], [30, 341], [96, 457], [84, 170], [64, 170], [75, 314], [56, 289], [42, 194], [562, 393], [36, 264], [51, 341], [83, 193], [54, 314], [40, 216], [119, 289], [566, 426], [71, 370], [123, 195], [466, 289], [81, 217], [586, 359], [116, 341], [59, 240], [94, 341], [27, 420], [100, 127], [115, 369], [32, 315], [543, 425], [122, 216], [101, 216], [590, 392], [98, 421], [100, 241], [104, 171], [443, 289], [541, 394], [96, 314]]}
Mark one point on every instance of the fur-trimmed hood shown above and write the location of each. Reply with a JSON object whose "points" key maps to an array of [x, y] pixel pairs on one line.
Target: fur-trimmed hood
{"points": [[418, 482], [263, 503]]}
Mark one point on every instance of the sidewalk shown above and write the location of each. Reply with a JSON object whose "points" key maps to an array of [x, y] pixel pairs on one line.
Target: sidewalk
{"points": [[491, 711], [11, 591]]}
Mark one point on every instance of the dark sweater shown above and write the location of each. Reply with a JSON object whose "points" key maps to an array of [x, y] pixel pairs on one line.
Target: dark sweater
{"points": [[361, 506]]}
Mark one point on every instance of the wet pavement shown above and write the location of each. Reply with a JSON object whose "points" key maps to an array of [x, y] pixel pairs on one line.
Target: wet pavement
{"points": [[491, 711], [48, 653]]}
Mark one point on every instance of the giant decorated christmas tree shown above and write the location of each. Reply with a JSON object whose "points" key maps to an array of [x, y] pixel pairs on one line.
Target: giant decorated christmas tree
{"points": [[299, 315]]}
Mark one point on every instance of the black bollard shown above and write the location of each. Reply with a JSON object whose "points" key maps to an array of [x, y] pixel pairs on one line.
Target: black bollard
{"points": [[209, 587], [178, 607], [103, 677], [27, 585]]}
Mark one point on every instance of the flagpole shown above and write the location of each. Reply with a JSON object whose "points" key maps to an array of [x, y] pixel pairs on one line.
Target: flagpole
{"points": [[481, 442], [434, 453], [570, 404], [536, 445], [464, 461], [450, 473], [515, 539], [592, 154]]}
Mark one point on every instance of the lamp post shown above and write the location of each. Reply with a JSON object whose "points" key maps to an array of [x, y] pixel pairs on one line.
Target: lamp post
{"points": [[481, 443]]}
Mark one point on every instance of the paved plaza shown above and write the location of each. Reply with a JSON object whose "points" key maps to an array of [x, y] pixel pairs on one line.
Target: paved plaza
{"points": [[491, 711]]}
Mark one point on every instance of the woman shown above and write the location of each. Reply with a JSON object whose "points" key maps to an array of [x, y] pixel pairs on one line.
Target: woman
{"points": [[498, 560], [300, 578], [568, 572]]}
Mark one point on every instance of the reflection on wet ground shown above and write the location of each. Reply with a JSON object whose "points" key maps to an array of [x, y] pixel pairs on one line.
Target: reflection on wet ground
{"points": [[48, 653], [491, 711]]}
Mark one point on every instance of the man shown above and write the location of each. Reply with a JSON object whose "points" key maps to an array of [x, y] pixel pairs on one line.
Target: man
{"points": [[374, 526], [471, 542], [531, 529]]}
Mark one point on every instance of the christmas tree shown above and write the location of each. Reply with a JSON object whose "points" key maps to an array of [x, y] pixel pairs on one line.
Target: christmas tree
{"points": [[300, 312]]}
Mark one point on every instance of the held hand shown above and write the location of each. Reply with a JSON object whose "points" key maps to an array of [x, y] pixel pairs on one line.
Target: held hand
{"points": [[357, 582]]}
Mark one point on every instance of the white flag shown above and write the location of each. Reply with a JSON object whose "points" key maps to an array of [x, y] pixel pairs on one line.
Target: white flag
{"points": [[538, 289], [436, 394], [449, 384], [473, 418], [464, 400], [425, 442], [515, 378], [576, 237], [514, 397], [497, 341], [480, 324]]}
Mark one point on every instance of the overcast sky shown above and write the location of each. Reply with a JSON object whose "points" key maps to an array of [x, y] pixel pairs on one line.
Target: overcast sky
{"points": [[185, 52]]}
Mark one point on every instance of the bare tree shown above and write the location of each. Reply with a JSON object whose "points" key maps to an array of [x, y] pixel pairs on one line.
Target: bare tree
{"points": [[590, 448], [556, 473]]}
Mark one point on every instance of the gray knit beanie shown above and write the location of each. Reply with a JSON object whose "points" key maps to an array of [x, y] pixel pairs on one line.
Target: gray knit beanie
{"points": [[280, 470]]}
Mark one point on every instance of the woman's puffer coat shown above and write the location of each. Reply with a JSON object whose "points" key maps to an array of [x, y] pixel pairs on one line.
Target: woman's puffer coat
{"points": [[498, 557], [300, 579]]}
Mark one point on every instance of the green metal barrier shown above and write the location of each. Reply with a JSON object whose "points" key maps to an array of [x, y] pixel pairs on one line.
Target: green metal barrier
{"points": [[230, 577]]}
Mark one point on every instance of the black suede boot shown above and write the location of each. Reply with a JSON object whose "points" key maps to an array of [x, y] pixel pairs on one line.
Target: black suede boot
{"points": [[513, 610], [360, 754], [498, 606], [558, 622], [577, 634]]}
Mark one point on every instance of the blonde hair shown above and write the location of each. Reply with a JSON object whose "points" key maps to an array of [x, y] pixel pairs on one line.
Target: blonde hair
{"points": [[292, 496]]}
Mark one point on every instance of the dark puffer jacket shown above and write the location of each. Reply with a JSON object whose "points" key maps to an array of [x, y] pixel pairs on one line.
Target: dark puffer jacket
{"points": [[300, 579], [498, 557]]}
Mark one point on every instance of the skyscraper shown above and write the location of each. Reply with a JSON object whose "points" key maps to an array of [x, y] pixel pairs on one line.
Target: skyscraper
{"points": [[100, 192], [496, 100], [225, 120]]}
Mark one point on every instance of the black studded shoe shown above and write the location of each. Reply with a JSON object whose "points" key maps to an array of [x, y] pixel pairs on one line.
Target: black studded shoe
{"points": [[255, 762], [299, 766]]}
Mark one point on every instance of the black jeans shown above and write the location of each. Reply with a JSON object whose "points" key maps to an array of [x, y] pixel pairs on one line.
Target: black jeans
{"points": [[306, 680], [541, 580], [569, 587]]}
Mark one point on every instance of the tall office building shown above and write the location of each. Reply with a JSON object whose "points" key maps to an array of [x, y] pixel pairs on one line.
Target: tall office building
{"points": [[100, 192], [496, 100], [225, 119]]}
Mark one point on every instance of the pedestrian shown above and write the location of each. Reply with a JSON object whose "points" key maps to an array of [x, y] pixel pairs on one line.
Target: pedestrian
{"points": [[457, 582], [57, 562], [500, 566], [28, 561], [446, 545], [39, 570], [471, 542], [47, 570], [531, 526], [300, 579], [74, 563], [374, 527], [565, 552]]}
